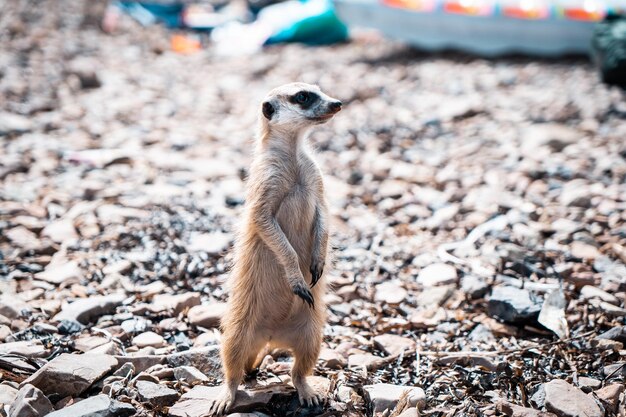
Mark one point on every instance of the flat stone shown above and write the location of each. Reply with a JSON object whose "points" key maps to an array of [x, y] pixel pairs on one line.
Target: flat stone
{"points": [[85, 310], [190, 375], [565, 400], [28, 348], [58, 273], [5, 331], [30, 402], [437, 274], [617, 333], [206, 359], [12, 307], [14, 124], [386, 396], [614, 370], [434, 296], [97, 406], [588, 292], [332, 359], [148, 339], [196, 402], [23, 238], [584, 250], [394, 345], [87, 343], [119, 267], [174, 303], [553, 135], [588, 384], [141, 362], [211, 243], [207, 316], [610, 395], [7, 394], [60, 231], [367, 360], [474, 286], [155, 394], [390, 293], [513, 305], [512, 410], [70, 374]]}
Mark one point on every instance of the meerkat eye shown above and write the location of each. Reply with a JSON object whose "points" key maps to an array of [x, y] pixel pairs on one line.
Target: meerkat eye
{"points": [[302, 97]]}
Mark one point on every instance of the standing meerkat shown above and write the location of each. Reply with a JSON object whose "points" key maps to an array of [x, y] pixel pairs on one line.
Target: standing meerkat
{"points": [[277, 285]]}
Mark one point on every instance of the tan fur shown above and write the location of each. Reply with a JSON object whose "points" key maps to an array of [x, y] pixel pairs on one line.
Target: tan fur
{"points": [[283, 237]]}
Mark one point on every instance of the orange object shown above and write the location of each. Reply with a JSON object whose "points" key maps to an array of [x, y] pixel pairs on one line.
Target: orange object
{"points": [[184, 44], [593, 15], [417, 5], [469, 7]]}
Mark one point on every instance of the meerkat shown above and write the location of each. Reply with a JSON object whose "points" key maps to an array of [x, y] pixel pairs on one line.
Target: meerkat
{"points": [[277, 281]]}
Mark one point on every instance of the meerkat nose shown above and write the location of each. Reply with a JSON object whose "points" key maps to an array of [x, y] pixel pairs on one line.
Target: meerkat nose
{"points": [[335, 106]]}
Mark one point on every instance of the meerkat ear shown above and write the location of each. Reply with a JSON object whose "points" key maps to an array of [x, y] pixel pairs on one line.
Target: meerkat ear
{"points": [[268, 110]]}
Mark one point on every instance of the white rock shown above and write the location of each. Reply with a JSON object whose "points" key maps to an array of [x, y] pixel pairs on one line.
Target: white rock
{"points": [[437, 274]]}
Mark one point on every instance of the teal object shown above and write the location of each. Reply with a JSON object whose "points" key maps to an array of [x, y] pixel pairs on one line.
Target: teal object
{"points": [[321, 28]]}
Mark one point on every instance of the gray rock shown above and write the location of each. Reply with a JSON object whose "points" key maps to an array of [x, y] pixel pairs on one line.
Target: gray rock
{"points": [[98, 406], [437, 274], [13, 124], [588, 384], [385, 396], [566, 400], [394, 345], [30, 402], [474, 287], [155, 394], [12, 307], [610, 396], [390, 293], [211, 243], [512, 410], [70, 375], [7, 394], [207, 315], [513, 305], [148, 339], [196, 402], [434, 296], [174, 303], [190, 375], [28, 348], [206, 359], [616, 333], [87, 309]]}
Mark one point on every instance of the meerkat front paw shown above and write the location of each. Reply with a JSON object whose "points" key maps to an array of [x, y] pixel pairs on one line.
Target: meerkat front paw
{"points": [[300, 289], [317, 269]]}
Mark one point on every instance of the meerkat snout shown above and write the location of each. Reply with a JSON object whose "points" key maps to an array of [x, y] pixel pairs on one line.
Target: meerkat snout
{"points": [[298, 105]]}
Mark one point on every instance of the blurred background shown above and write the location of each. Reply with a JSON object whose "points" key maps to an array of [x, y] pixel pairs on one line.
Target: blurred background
{"points": [[476, 178]]}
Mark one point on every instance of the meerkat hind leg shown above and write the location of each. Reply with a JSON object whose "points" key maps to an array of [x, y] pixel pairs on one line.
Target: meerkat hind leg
{"points": [[238, 353], [306, 352]]}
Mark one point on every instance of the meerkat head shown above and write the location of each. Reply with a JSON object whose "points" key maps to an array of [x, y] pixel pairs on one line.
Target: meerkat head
{"points": [[298, 105]]}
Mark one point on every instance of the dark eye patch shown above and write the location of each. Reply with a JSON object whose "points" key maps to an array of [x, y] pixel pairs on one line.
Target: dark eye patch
{"points": [[304, 99]]}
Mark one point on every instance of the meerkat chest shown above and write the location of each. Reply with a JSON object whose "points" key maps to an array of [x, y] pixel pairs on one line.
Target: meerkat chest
{"points": [[297, 210]]}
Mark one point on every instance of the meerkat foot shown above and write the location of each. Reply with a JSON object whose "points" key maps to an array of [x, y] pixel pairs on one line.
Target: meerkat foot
{"points": [[308, 396], [303, 292], [222, 403], [317, 269]]}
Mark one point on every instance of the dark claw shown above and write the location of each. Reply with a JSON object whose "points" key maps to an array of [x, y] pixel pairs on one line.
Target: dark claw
{"points": [[305, 294], [316, 274]]}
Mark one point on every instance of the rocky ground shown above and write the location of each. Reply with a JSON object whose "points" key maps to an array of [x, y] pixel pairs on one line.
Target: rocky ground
{"points": [[478, 224]]}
